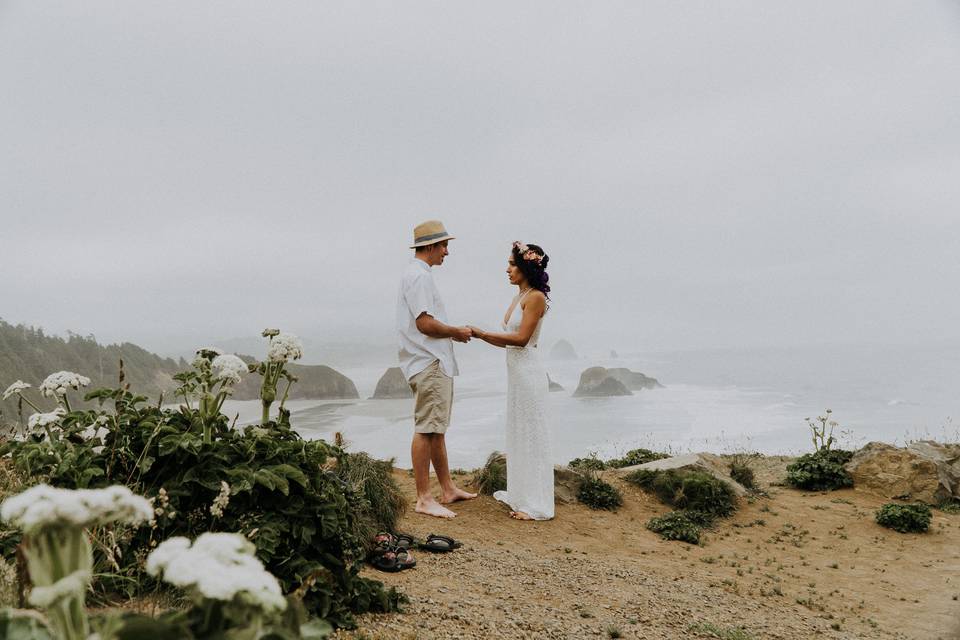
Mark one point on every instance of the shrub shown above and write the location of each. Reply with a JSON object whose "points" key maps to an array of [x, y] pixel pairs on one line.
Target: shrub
{"points": [[820, 471], [298, 501], [635, 457], [905, 518], [591, 463], [677, 525], [492, 476], [688, 490], [373, 480], [597, 493], [743, 474]]}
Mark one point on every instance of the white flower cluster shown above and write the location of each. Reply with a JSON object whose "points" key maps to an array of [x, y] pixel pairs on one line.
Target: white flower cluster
{"points": [[16, 387], [97, 431], [229, 368], [283, 347], [218, 566], [221, 501], [43, 506], [57, 384], [45, 419]]}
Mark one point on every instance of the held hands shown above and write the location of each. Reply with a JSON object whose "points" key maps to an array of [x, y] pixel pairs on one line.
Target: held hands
{"points": [[476, 332], [462, 334]]}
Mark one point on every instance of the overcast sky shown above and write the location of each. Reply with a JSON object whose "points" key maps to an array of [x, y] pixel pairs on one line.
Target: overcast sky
{"points": [[701, 173]]}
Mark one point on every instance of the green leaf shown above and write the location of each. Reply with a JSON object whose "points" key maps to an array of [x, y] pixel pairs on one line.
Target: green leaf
{"points": [[21, 624]]}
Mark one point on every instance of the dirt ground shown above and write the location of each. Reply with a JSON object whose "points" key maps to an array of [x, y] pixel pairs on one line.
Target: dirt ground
{"points": [[790, 565]]}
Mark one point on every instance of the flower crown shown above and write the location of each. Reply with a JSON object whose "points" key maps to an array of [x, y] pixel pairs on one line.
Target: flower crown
{"points": [[528, 254]]}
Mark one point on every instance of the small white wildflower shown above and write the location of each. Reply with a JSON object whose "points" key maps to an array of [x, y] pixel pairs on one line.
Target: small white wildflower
{"points": [[221, 501], [285, 346], [44, 506], [94, 432], [45, 419], [57, 384], [16, 387], [218, 566], [229, 368]]}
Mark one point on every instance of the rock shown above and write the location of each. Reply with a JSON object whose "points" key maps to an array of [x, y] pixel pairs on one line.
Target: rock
{"points": [[392, 384], [566, 483], [924, 471], [634, 380], [707, 462], [553, 385], [613, 354], [597, 382], [563, 350], [314, 382]]}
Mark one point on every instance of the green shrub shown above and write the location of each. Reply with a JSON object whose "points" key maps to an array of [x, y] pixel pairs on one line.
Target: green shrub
{"points": [[688, 490], [820, 471], [591, 463], [283, 493], [743, 474], [597, 493], [677, 525], [635, 457], [373, 480], [905, 518], [492, 476]]}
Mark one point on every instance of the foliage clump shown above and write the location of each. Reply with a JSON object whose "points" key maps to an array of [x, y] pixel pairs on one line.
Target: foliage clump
{"points": [[688, 490], [677, 525], [905, 518], [629, 459], [305, 505], [820, 471], [597, 493], [492, 476]]}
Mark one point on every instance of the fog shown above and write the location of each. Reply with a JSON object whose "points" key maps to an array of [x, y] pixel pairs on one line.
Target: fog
{"points": [[701, 174]]}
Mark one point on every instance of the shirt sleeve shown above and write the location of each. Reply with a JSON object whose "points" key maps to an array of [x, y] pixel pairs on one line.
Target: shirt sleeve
{"points": [[419, 296]]}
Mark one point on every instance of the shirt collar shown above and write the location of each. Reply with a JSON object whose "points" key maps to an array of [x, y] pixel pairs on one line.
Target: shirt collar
{"points": [[422, 264]]}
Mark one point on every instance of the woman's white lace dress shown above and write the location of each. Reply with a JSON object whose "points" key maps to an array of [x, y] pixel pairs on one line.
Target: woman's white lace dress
{"points": [[529, 460]]}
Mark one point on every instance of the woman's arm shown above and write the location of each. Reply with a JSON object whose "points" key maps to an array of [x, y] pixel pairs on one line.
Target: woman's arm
{"points": [[536, 304]]}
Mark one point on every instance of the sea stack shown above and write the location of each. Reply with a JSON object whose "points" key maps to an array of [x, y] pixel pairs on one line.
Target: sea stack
{"points": [[392, 385]]}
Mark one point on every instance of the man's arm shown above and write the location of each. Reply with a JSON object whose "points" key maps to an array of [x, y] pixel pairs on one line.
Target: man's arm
{"points": [[430, 326]]}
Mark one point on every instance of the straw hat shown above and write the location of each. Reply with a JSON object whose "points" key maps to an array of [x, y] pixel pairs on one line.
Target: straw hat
{"points": [[429, 232]]}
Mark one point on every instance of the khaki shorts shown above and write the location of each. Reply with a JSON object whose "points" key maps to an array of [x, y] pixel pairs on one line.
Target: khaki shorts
{"points": [[434, 399]]}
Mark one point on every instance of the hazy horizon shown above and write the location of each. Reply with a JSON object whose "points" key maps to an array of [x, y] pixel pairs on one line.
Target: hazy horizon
{"points": [[701, 176]]}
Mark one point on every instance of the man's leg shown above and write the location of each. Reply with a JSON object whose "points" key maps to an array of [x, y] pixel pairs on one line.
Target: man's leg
{"points": [[438, 454], [420, 453]]}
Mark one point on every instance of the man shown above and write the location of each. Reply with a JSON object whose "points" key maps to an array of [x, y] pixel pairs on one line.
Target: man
{"points": [[427, 360]]}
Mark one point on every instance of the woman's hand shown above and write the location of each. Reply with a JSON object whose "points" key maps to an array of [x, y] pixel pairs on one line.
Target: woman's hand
{"points": [[477, 332]]}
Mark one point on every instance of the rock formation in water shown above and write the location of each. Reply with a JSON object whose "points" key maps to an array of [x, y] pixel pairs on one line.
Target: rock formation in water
{"points": [[634, 380], [392, 385], [563, 350], [553, 386], [597, 382], [314, 382]]}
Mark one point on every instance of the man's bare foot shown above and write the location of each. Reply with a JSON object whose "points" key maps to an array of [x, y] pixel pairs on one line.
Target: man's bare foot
{"points": [[520, 515], [458, 494], [432, 508]]}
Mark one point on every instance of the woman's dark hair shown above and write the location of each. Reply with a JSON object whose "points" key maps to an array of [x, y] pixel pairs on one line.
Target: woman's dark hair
{"points": [[534, 269]]}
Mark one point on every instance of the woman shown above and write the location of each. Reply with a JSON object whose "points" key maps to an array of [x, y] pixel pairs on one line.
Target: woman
{"points": [[529, 463]]}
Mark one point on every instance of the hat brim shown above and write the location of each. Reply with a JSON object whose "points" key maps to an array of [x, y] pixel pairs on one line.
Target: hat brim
{"points": [[427, 243]]}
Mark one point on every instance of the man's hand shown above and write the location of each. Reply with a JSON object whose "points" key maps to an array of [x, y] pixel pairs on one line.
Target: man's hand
{"points": [[462, 334], [477, 333]]}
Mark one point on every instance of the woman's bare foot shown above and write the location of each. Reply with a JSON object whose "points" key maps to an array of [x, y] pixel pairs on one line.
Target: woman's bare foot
{"points": [[520, 515], [458, 494], [431, 507]]}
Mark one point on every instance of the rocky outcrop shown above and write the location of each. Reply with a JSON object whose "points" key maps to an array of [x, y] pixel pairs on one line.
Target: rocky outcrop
{"points": [[314, 382], [597, 382], [634, 380], [563, 350], [392, 385], [706, 462], [553, 386], [566, 483], [924, 471]]}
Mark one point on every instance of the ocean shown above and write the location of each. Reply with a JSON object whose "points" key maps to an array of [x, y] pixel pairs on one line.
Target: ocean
{"points": [[717, 400]]}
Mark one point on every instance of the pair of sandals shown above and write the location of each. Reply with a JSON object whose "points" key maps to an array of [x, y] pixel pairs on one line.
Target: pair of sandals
{"points": [[392, 550]]}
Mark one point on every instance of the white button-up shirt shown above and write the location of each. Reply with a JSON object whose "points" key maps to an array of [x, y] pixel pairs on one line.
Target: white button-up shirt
{"points": [[419, 294]]}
